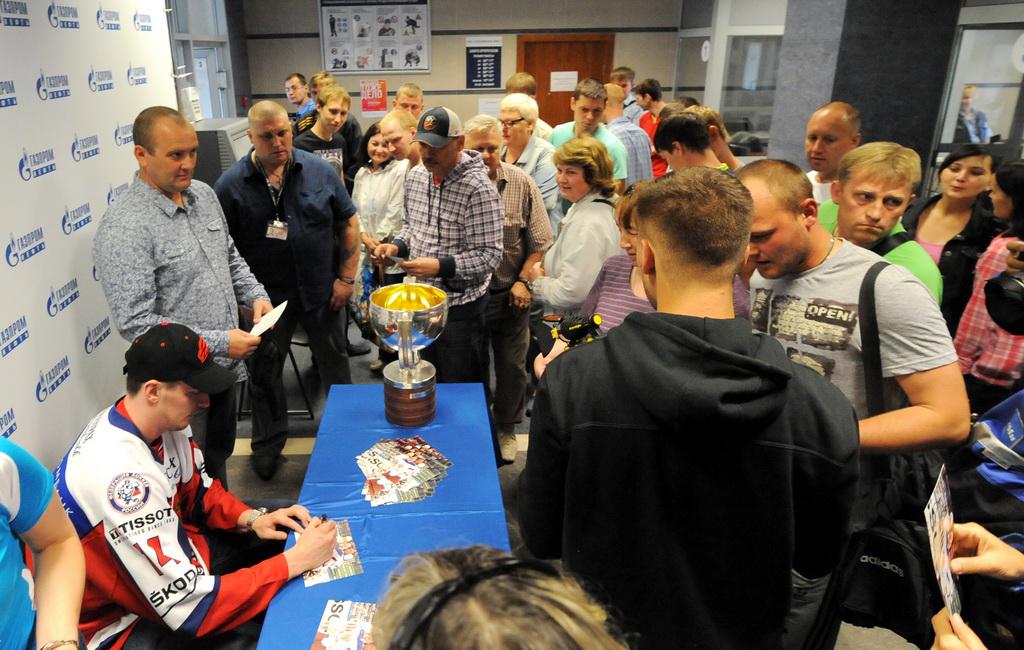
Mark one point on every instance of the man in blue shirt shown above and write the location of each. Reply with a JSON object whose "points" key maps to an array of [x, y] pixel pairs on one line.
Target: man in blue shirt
{"points": [[162, 253], [286, 209], [297, 91]]}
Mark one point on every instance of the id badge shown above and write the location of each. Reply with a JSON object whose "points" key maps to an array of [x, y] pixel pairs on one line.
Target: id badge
{"points": [[277, 230]]}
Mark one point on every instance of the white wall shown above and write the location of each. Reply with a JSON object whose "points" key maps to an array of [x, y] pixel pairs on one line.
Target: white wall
{"points": [[72, 82]]}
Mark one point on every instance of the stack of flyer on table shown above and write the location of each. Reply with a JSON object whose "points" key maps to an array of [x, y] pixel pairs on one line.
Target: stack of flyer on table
{"points": [[402, 470]]}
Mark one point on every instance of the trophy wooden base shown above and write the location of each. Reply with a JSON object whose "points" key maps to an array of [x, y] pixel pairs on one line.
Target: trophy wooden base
{"points": [[410, 396]]}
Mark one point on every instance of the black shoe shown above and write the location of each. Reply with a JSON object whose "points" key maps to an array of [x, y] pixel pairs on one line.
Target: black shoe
{"points": [[358, 349], [264, 466]]}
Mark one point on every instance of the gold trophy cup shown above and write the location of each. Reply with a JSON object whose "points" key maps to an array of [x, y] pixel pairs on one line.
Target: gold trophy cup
{"points": [[408, 317]]}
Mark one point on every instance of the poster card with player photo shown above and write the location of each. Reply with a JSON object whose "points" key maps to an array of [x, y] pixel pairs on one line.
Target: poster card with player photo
{"points": [[344, 561], [939, 516], [403, 470], [383, 36], [345, 625]]}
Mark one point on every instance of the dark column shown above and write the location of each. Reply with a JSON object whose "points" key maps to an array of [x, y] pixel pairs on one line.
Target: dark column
{"points": [[890, 61], [235, 17]]}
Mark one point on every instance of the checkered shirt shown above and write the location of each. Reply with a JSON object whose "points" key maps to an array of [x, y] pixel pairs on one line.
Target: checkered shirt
{"points": [[527, 229], [986, 350], [458, 222], [638, 149]]}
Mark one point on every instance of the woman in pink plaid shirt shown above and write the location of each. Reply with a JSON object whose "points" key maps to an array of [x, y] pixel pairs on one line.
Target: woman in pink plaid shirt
{"points": [[992, 359]]}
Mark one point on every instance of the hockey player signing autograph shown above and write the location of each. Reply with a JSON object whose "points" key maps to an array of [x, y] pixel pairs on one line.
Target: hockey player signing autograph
{"points": [[170, 554]]}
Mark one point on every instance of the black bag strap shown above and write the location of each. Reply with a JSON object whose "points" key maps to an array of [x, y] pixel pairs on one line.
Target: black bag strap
{"points": [[872, 355], [891, 243]]}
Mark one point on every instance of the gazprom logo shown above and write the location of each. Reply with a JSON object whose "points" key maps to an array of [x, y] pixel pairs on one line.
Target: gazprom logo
{"points": [[123, 134], [94, 336], [51, 380], [116, 192], [7, 93], [85, 148], [142, 22], [36, 164], [14, 13], [75, 219], [108, 20], [136, 76], [100, 80], [52, 86], [25, 246], [62, 16], [13, 335], [8, 425], [62, 298]]}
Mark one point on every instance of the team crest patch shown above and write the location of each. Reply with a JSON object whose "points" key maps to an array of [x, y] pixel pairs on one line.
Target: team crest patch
{"points": [[429, 122], [128, 492]]}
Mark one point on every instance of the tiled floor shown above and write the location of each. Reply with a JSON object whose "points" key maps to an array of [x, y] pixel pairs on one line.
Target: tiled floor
{"points": [[288, 480]]}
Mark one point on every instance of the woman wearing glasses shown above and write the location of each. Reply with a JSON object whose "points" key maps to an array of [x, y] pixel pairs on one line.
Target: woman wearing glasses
{"points": [[521, 147]]}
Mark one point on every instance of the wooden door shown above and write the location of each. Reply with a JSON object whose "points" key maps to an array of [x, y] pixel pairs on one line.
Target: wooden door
{"points": [[590, 55]]}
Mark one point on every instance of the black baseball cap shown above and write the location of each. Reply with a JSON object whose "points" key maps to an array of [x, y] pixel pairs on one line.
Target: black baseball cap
{"points": [[172, 352], [437, 127]]}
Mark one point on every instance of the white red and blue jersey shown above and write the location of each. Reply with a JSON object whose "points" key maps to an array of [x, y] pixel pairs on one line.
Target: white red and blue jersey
{"points": [[139, 510]]}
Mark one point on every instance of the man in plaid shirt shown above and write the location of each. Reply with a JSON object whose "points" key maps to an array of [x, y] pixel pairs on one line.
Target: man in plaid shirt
{"points": [[451, 240], [527, 235]]}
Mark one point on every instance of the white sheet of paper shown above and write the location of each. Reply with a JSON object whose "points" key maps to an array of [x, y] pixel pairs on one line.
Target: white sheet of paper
{"points": [[564, 81], [268, 319]]}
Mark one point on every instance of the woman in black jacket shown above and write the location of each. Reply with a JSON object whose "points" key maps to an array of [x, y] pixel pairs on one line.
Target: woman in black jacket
{"points": [[956, 226]]}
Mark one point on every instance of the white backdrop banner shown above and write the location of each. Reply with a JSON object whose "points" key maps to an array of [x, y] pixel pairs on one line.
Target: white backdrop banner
{"points": [[72, 79]]}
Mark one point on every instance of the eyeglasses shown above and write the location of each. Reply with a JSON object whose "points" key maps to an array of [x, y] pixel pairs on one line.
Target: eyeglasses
{"points": [[510, 123]]}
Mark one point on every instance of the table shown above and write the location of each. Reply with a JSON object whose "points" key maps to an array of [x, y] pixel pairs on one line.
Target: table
{"points": [[465, 509]]}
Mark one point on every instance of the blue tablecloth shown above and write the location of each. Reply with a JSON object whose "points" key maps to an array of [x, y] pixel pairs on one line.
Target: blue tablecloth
{"points": [[465, 509]]}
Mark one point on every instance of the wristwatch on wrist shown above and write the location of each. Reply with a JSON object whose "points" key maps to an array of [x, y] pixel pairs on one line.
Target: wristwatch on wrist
{"points": [[256, 513], [347, 280], [529, 286]]}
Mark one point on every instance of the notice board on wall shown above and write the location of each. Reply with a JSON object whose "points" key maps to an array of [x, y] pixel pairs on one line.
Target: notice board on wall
{"points": [[358, 37]]}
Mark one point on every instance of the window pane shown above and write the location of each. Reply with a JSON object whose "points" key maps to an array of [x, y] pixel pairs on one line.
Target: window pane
{"points": [[749, 88]]}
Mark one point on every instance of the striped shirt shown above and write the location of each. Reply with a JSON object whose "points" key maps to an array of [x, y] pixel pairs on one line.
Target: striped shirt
{"points": [[457, 221], [984, 349], [527, 229], [638, 149], [611, 296]]}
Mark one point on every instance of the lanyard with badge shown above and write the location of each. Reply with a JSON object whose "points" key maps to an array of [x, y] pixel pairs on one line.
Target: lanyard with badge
{"points": [[277, 228]]}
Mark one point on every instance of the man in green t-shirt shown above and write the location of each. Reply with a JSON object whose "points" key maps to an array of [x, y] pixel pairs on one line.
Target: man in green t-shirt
{"points": [[874, 186]]}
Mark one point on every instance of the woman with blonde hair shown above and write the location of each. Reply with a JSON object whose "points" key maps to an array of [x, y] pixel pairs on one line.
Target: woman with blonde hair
{"points": [[480, 597], [588, 234]]}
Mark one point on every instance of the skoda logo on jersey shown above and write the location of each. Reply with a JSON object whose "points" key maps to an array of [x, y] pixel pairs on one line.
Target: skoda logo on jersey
{"points": [[62, 298], [13, 335], [8, 425], [28, 245], [52, 379], [136, 76], [14, 13], [52, 86], [108, 20], [85, 148], [123, 134], [142, 22], [128, 492], [116, 192], [62, 16], [100, 80], [7, 96], [75, 219], [96, 335]]}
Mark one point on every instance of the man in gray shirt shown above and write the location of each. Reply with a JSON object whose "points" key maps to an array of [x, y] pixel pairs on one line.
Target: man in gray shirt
{"points": [[163, 253]]}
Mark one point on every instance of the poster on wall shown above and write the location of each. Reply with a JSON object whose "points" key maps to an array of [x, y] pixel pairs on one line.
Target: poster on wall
{"points": [[386, 36], [483, 62], [374, 97]]}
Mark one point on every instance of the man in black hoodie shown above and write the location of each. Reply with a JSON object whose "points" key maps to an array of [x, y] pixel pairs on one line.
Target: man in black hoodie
{"points": [[683, 463]]}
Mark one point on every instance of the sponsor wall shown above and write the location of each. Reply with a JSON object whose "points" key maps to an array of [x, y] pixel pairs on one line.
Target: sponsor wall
{"points": [[73, 76]]}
